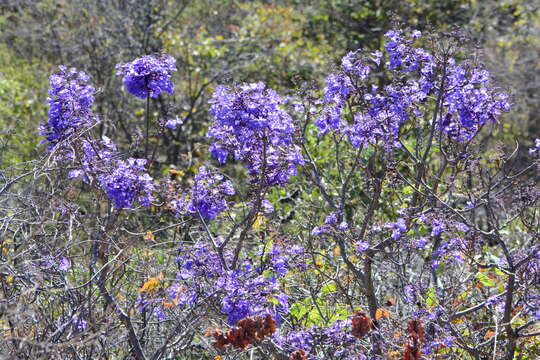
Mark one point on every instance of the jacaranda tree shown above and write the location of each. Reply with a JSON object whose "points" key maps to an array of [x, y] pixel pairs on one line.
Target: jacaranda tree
{"points": [[371, 219]]}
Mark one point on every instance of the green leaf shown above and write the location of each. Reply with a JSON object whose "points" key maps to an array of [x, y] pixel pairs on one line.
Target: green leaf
{"points": [[314, 317], [273, 300], [431, 297], [407, 190], [298, 310], [485, 280], [328, 287]]}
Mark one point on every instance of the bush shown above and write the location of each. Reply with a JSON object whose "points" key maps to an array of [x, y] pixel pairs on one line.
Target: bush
{"points": [[372, 220]]}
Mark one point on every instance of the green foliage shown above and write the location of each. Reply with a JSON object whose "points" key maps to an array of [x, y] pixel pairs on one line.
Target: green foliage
{"points": [[22, 107], [360, 23]]}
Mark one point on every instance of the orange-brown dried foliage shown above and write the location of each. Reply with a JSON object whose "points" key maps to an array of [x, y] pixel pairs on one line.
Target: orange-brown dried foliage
{"points": [[298, 355], [412, 350], [245, 332], [361, 324]]}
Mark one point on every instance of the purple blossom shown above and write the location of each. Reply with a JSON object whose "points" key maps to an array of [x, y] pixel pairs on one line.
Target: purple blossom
{"points": [[300, 339], [386, 111], [246, 295], [449, 252], [352, 63], [79, 323], [421, 243], [236, 309], [410, 293], [283, 300], [267, 207], [331, 219], [70, 99], [374, 115], [398, 228], [329, 222], [75, 173], [296, 250], [318, 230], [174, 291], [148, 75], [250, 126], [174, 123], [470, 102], [401, 225], [494, 300], [60, 263], [279, 263], [128, 182], [97, 157], [337, 91], [437, 227], [536, 148], [242, 292], [206, 196], [64, 264], [160, 314], [395, 48], [376, 57], [428, 347], [361, 247], [462, 227]]}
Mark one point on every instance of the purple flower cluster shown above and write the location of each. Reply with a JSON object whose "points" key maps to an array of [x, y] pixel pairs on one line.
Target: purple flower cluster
{"points": [[402, 53], [79, 323], [293, 340], [352, 63], [148, 75], [247, 294], [128, 181], [399, 228], [336, 339], [95, 159], [336, 93], [70, 99], [377, 113], [279, 263], [469, 101], [250, 126], [124, 181], [329, 223], [370, 114], [248, 290], [173, 123], [450, 251], [387, 110], [58, 262], [242, 292], [206, 196]]}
